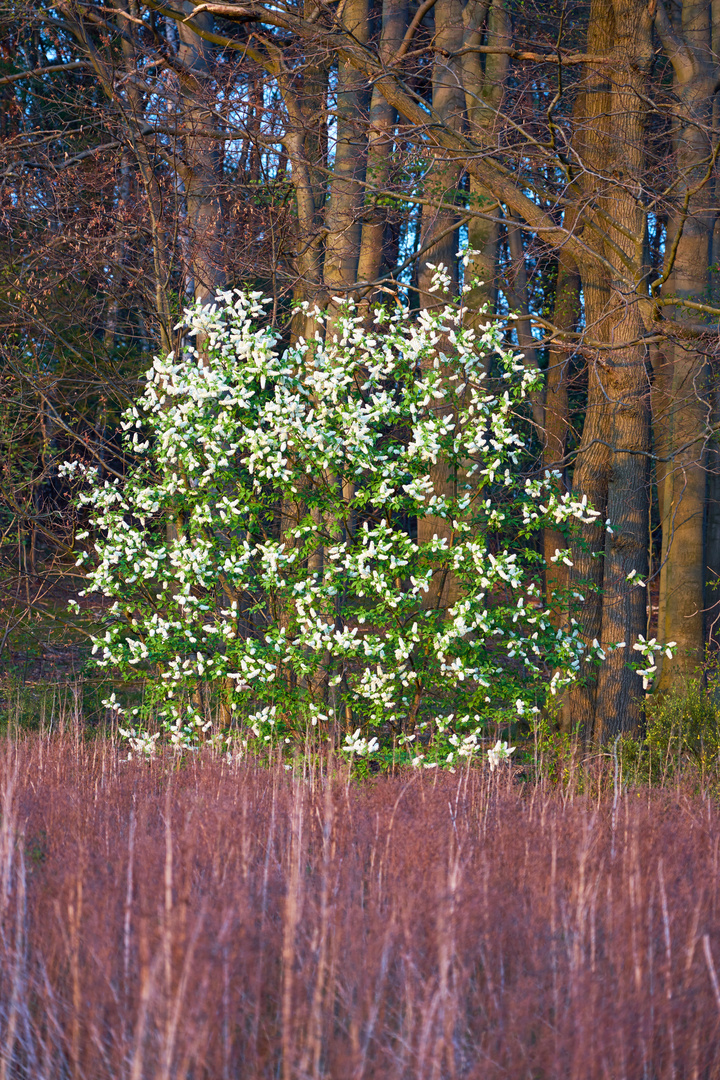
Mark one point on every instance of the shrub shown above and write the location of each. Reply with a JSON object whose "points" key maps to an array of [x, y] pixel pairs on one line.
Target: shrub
{"points": [[684, 724], [261, 548]]}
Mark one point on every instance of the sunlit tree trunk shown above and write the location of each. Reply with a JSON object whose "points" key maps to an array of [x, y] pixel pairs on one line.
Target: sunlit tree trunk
{"points": [[712, 508], [625, 380], [712, 533], [590, 473], [590, 480], [682, 485], [438, 233], [381, 146], [343, 219], [201, 169], [304, 144]]}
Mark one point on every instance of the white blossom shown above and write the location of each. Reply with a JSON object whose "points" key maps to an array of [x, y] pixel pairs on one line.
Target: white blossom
{"points": [[498, 753]]}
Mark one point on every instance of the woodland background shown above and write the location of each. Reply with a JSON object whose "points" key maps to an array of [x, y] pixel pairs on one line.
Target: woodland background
{"points": [[153, 153]]}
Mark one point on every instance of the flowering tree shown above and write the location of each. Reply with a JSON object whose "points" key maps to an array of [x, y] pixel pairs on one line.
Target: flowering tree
{"points": [[261, 553]]}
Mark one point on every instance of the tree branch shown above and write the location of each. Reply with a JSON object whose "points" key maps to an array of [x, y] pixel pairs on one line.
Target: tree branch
{"points": [[36, 72]]}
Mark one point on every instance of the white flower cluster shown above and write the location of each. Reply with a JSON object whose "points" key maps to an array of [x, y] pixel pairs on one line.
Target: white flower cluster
{"points": [[141, 742], [263, 543], [647, 649], [356, 744], [498, 753]]}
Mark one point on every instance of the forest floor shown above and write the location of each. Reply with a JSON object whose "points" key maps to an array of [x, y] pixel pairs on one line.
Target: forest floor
{"points": [[204, 918]]}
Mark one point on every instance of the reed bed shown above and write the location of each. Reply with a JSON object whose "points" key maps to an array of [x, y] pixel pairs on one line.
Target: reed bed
{"points": [[215, 920]]}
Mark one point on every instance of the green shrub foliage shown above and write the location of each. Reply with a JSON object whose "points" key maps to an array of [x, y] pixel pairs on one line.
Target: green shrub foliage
{"points": [[683, 725]]}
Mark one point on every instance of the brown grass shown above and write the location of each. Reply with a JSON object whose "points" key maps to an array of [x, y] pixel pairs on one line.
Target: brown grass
{"points": [[216, 921]]}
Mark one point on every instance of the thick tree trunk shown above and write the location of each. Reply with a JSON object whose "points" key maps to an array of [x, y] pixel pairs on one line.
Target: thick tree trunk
{"points": [[590, 474], [201, 170], [344, 213], [681, 601], [712, 535], [159, 298], [441, 179], [624, 612], [619, 696], [590, 481], [305, 148], [685, 419], [712, 508], [612, 464], [380, 149]]}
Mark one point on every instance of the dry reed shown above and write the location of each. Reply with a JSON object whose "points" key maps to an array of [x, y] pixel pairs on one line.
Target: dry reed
{"points": [[227, 921]]}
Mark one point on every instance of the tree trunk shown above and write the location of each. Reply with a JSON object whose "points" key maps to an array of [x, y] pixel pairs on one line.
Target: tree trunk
{"points": [[443, 175], [685, 419], [520, 304], [380, 149], [566, 315], [619, 696], [590, 474], [201, 170], [440, 184], [135, 121], [344, 213], [305, 150], [483, 94], [712, 535]]}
